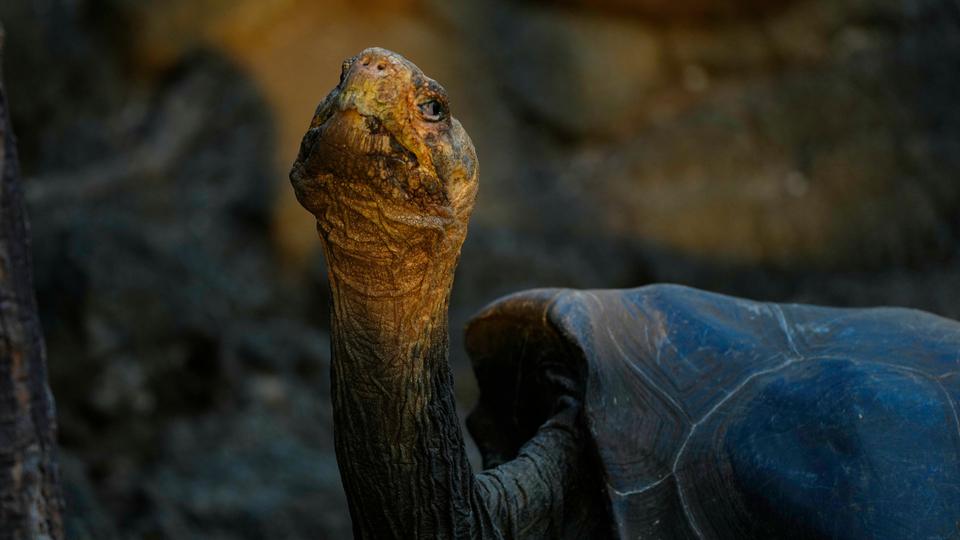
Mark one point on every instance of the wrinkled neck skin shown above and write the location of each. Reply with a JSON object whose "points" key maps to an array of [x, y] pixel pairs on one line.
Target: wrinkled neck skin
{"points": [[392, 199], [398, 437]]}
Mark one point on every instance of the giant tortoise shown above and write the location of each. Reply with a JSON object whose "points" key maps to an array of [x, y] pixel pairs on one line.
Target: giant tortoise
{"points": [[659, 412]]}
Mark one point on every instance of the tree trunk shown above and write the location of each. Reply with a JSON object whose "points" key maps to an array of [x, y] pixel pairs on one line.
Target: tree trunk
{"points": [[30, 496]]}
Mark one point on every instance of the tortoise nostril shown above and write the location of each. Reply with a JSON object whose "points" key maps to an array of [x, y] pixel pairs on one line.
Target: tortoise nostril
{"points": [[381, 66], [374, 125], [366, 61]]}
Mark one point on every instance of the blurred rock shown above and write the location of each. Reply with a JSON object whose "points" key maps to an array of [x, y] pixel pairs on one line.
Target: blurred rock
{"points": [[256, 474], [582, 74], [684, 9], [816, 136], [87, 519]]}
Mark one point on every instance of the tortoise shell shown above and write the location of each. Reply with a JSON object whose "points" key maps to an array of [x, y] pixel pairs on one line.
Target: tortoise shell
{"points": [[717, 417]]}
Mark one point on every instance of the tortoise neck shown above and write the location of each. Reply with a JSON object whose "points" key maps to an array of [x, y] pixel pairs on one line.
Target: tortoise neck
{"points": [[398, 440]]}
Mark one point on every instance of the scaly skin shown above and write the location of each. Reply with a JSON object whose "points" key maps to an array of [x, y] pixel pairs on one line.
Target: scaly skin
{"points": [[391, 177]]}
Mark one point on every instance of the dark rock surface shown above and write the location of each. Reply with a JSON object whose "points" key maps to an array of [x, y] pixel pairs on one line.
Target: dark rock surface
{"points": [[806, 153]]}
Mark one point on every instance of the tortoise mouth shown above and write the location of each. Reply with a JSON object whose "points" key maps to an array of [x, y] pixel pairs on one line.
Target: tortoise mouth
{"points": [[357, 147]]}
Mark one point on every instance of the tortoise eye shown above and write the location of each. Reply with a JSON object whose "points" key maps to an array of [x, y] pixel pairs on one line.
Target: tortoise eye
{"points": [[432, 110]]}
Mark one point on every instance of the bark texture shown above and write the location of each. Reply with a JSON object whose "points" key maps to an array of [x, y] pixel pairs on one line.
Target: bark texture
{"points": [[30, 498]]}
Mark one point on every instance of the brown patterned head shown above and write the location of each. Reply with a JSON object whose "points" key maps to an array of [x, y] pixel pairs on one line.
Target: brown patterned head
{"points": [[389, 173]]}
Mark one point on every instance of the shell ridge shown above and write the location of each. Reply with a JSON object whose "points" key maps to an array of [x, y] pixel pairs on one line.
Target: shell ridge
{"points": [[683, 446], [953, 407], [782, 321], [549, 306], [938, 381], [638, 491], [636, 369], [947, 375]]}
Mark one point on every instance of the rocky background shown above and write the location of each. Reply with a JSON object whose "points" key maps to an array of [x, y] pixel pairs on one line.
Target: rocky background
{"points": [[804, 150]]}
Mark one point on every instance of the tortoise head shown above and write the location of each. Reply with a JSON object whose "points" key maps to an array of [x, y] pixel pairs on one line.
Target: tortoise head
{"points": [[388, 172]]}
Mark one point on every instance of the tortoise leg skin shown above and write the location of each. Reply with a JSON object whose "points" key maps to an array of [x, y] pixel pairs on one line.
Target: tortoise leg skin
{"points": [[391, 177]]}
